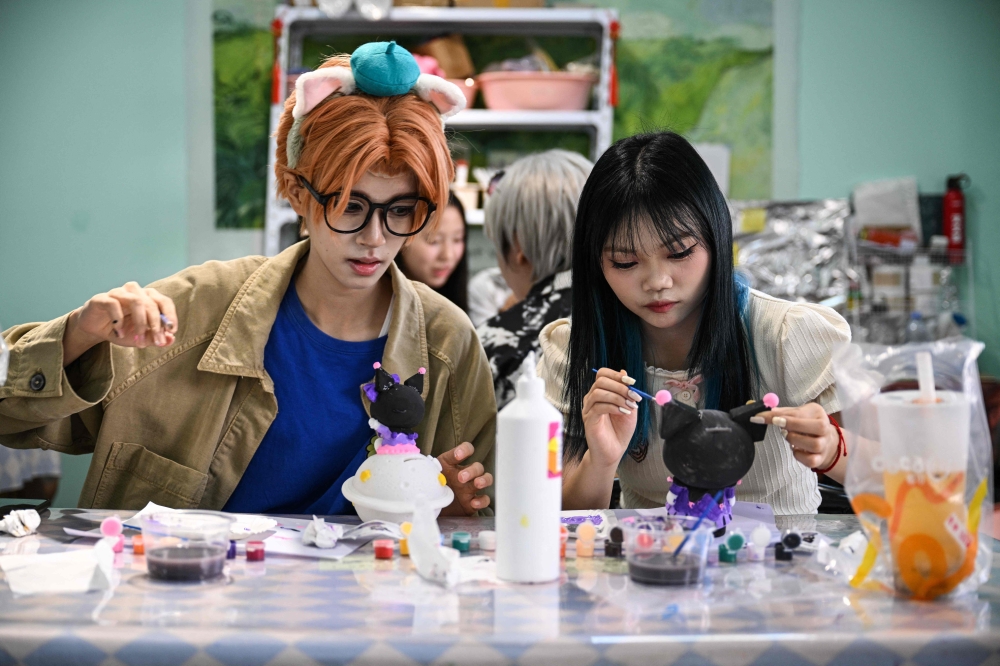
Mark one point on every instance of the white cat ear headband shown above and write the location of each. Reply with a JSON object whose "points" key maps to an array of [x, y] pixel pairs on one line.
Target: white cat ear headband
{"points": [[382, 69]]}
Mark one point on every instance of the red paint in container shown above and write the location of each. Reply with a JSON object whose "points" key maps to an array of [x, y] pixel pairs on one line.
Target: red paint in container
{"points": [[644, 540], [255, 551], [384, 548]]}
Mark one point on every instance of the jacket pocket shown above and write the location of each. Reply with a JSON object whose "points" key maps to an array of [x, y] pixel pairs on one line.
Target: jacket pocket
{"points": [[135, 476]]}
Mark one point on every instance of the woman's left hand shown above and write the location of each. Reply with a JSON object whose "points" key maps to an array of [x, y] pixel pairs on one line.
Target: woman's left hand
{"points": [[807, 429], [466, 481]]}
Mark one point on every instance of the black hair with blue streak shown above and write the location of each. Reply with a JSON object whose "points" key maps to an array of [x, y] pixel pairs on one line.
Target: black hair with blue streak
{"points": [[660, 180]]}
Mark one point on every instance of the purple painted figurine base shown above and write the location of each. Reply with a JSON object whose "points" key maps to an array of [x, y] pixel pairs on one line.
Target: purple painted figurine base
{"points": [[679, 504]]}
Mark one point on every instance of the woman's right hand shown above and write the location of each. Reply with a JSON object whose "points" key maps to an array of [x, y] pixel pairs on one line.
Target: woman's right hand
{"points": [[610, 410], [128, 316]]}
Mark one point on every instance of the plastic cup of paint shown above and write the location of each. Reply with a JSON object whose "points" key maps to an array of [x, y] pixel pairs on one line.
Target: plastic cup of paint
{"points": [[404, 544], [586, 533], [384, 548], [651, 545], [255, 551], [186, 546], [487, 540], [461, 541]]}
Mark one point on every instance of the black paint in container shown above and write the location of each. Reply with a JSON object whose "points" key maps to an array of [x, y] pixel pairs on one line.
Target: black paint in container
{"points": [[665, 569], [186, 563]]}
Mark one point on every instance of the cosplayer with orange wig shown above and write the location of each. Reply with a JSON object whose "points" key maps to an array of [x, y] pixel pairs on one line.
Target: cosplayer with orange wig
{"points": [[239, 385]]}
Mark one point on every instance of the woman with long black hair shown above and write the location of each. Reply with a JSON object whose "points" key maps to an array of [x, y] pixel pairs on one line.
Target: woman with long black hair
{"points": [[657, 305]]}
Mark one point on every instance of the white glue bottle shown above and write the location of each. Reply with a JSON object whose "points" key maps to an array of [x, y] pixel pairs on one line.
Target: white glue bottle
{"points": [[528, 483]]}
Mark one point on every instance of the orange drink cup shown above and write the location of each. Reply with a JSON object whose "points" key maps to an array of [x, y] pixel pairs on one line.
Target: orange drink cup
{"points": [[925, 452]]}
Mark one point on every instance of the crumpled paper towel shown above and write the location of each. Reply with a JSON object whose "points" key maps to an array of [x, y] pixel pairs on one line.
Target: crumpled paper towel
{"points": [[20, 523], [78, 570], [318, 533]]}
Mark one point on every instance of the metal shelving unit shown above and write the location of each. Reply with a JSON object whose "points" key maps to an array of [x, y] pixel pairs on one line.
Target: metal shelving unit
{"points": [[294, 24]]}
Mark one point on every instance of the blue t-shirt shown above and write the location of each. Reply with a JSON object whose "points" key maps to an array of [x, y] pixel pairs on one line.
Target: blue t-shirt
{"points": [[320, 436]]}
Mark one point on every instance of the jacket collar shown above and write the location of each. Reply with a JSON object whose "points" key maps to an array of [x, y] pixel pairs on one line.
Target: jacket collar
{"points": [[238, 345]]}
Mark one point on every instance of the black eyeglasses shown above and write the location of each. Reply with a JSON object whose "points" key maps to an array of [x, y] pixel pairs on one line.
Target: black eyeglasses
{"points": [[403, 216]]}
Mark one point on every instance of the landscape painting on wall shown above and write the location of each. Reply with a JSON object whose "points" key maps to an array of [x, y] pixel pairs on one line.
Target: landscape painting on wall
{"points": [[703, 68]]}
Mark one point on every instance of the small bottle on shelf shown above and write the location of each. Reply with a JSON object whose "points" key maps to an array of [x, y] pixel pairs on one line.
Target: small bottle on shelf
{"points": [[916, 330]]}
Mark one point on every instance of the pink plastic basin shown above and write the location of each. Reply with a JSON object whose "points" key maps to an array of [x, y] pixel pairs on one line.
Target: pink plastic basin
{"points": [[469, 87], [536, 91]]}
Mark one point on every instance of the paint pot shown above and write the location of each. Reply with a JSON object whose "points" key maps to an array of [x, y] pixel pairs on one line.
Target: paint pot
{"points": [[185, 546], [384, 548]]}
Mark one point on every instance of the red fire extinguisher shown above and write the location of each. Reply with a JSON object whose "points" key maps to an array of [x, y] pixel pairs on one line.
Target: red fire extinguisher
{"points": [[954, 218]]}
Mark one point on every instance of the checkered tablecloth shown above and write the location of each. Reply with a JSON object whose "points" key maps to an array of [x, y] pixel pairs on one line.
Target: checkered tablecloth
{"points": [[363, 611]]}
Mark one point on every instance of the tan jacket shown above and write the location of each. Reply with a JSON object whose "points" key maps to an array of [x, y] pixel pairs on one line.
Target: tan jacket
{"points": [[179, 425]]}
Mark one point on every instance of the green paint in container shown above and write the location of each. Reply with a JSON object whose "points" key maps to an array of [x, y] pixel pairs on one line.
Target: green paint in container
{"points": [[460, 541]]}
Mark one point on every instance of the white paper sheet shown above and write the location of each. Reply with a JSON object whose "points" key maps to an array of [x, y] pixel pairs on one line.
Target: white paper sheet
{"points": [[246, 525], [72, 571], [134, 523]]}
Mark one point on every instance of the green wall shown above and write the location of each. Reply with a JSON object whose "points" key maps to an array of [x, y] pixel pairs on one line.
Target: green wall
{"points": [[908, 87], [92, 156]]}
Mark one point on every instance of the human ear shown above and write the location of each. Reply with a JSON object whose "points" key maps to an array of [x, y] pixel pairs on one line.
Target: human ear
{"points": [[517, 257], [298, 196]]}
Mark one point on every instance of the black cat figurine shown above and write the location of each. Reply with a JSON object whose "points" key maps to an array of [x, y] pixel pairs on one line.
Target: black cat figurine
{"points": [[396, 408], [708, 452]]}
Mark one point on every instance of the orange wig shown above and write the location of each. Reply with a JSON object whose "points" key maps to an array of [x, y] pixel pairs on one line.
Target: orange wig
{"points": [[346, 136]]}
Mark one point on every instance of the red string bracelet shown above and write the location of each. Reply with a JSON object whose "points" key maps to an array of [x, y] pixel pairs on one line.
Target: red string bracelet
{"points": [[841, 448]]}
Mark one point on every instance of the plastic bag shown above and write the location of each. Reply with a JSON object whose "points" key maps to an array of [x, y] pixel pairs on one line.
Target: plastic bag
{"points": [[4, 359], [919, 472]]}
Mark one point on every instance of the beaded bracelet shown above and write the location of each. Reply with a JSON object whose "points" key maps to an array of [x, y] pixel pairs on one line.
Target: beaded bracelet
{"points": [[841, 448]]}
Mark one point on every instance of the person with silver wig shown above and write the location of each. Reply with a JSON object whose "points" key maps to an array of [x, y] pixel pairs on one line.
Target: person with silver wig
{"points": [[530, 218]]}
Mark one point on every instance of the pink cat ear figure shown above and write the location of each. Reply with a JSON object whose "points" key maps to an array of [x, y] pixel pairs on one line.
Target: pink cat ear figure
{"points": [[312, 88]]}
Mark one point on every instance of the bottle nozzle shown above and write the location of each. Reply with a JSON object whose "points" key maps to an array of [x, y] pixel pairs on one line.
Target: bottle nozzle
{"points": [[529, 383]]}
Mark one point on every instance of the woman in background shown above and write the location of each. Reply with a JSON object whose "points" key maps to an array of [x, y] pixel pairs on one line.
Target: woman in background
{"points": [[530, 219], [437, 256]]}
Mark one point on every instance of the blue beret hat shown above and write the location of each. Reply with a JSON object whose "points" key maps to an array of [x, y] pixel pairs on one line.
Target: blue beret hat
{"points": [[384, 69]]}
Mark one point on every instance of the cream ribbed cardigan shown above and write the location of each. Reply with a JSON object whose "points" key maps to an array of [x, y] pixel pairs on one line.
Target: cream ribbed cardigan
{"points": [[793, 343]]}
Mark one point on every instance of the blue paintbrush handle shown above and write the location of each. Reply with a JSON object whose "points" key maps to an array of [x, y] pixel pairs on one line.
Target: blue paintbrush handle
{"points": [[632, 388]]}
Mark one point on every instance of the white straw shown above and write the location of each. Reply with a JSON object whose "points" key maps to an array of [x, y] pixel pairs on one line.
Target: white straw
{"points": [[925, 375]]}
